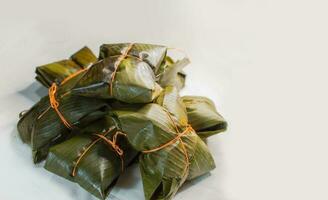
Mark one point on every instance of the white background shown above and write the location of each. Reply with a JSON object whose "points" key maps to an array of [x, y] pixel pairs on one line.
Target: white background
{"points": [[263, 62]]}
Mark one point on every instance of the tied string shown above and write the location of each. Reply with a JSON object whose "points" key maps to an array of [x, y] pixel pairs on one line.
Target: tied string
{"points": [[52, 97], [177, 138], [112, 143], [187, 130], [55, 104], [73, 75], [117, 63]]}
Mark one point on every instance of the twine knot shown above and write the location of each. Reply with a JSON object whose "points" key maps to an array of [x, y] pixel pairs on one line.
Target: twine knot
{"points": [[55, 104], [112, 143], [177, 138]]}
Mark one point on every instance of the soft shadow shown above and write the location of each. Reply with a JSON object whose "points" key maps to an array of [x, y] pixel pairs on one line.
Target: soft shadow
{"points": [[129, 178], [34, 91], [128, 185], [112, 197], [20, 149], [76, 192]]}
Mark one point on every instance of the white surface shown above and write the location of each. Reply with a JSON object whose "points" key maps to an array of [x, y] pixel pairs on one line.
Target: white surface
{"points": [[274, 51]]}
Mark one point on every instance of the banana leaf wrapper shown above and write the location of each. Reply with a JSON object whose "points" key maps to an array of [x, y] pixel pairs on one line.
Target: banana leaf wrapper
{"points": [[134, 81], [149, 53], [58, 71], [203, 116], [172, 102], [170, 73], [41, 127], [164, 171], [100, 166], [27, 118]]}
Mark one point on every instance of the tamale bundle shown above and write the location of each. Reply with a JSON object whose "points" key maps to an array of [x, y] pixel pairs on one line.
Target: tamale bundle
{"points": [[203, 116], [58, 71], [176, 111], [152, 54], [171, 152], [94, 158], [50, 120], [101, 114], [126, 79]]}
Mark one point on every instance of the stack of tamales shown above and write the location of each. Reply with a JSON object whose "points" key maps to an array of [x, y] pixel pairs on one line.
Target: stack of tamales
{"points": [[104, 113]]}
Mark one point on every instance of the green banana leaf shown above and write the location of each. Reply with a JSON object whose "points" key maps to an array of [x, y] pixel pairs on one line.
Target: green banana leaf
{"points": [[164, 171], [100, 167], [41, 126], [172, 102], [134, 81], [27, 119], [84, 57], [170, 73], [170, 99], [203, 116], [149, 53], [58, 71]]}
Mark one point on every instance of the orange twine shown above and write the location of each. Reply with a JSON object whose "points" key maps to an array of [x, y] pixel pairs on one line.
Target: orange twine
{"points": [[55, 104], [177, 138], [187, 130], [111, 143], [53, 90], [73, 75], [115, 147], [117, 63]]}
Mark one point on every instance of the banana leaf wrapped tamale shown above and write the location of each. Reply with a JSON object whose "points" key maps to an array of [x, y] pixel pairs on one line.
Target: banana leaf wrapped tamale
{"points": [[172, 152], [173, 104], [203, 116], [49, 121], [58, 71], [127, 79], [201, 111], [152, 54], [94, 158]]}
